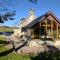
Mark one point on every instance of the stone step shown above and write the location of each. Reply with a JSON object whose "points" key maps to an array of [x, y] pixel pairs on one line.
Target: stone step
{"points": [[17, 45]]}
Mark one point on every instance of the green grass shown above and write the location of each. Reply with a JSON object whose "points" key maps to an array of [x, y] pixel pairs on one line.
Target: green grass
{"points": [[2, 37], [15, 56], [10, 56], [6, 29], [2, 48]]}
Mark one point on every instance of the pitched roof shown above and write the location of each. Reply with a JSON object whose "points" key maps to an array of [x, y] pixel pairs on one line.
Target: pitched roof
{"points": [[40, 18]]}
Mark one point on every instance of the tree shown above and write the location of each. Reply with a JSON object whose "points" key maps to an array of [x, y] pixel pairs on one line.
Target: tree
{"points": [[7, 16], [33, 1]]}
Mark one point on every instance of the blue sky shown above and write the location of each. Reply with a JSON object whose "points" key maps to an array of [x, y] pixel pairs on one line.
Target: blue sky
{"points": [[22, 8]]}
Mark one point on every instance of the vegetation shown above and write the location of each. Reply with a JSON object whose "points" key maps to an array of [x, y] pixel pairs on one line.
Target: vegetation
{"points": [[2, 38], [2, 48], [47, 56], [7, 16], [6, 29], [11, 55], [15, 56], [33, 1]]}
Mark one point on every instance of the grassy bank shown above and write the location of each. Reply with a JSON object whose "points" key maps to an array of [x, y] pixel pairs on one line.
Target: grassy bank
{"points": [[3, 38], [6, 29], [15, 56], [10, 56]]}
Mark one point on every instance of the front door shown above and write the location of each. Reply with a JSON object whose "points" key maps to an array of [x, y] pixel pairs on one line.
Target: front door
{"points": [[36, 33]]}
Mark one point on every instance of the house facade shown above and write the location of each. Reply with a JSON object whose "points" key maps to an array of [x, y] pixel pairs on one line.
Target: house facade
{"points": [[45, 26], [24, 22]]}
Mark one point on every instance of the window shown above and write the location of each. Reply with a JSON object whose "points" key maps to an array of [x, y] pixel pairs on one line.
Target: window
{"points": [[23, 30]]}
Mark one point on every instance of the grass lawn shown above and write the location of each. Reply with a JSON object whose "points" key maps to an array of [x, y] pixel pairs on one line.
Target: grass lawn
{"points": [[15, 56], [2, 48], [6, 29], [10, 56], [3, 38]]}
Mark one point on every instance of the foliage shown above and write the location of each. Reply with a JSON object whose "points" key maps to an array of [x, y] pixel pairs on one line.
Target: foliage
{"points": [[47, 56], [33, 1], [7, 16]]}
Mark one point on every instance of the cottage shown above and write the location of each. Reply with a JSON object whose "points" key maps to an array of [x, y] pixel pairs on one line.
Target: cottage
{"points": [[45, 26], [24, 22]]}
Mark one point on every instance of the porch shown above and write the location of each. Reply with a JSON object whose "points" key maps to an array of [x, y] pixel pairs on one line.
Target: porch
{"points": [[45, 29]]}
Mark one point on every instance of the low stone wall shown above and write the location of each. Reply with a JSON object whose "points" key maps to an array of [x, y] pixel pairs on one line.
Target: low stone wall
{"points": [[37, 43], [57, 43], [37, 46]]}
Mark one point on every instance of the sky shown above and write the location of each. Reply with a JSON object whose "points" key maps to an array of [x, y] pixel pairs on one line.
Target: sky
{"points": [[22, 8]]}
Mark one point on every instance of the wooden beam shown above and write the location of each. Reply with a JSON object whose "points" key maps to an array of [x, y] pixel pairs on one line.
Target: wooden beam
{"points": [[57, 31], [40, 24], [40, 30], [51, 28], [46, 27]]}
